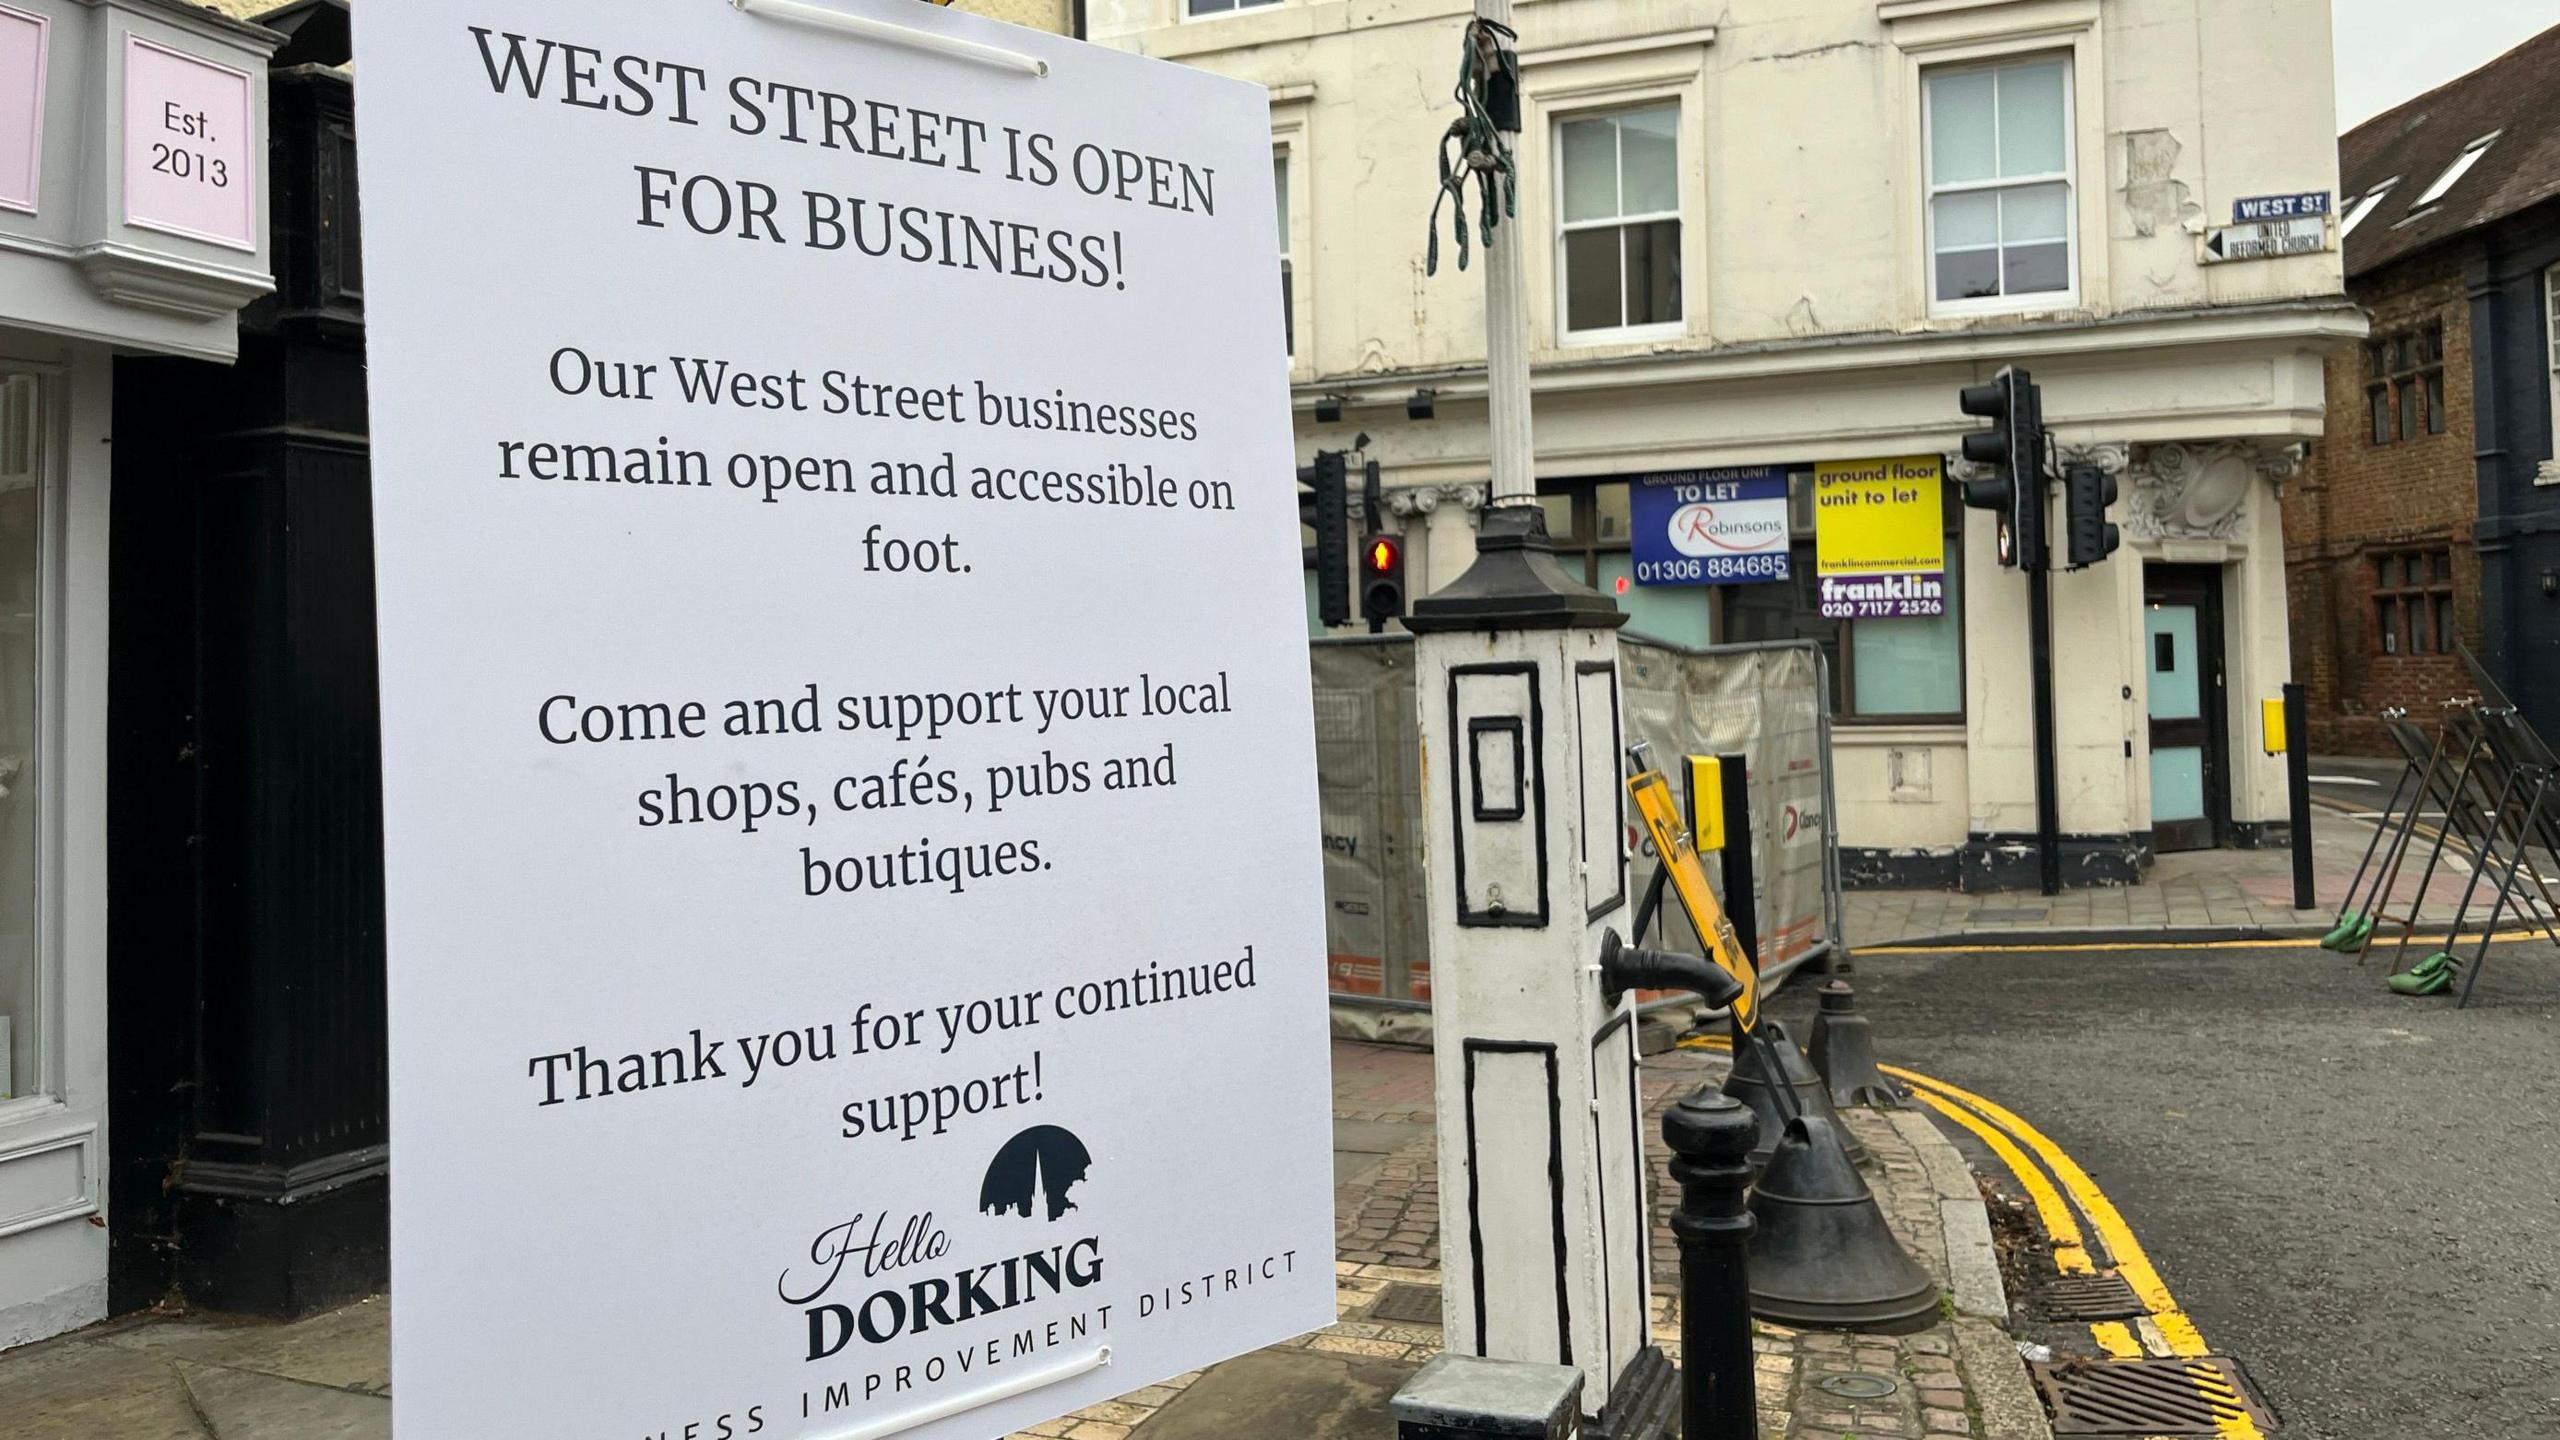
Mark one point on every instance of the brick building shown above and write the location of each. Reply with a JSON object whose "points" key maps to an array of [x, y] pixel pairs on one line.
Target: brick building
{"points": [[2427, 516]]}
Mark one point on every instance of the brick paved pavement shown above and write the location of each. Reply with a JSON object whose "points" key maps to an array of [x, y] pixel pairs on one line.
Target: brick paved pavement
{"points": [[1958, 1380]]}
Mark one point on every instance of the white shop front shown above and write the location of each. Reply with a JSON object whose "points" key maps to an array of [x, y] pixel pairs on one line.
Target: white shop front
{"points": [[133, 220]]}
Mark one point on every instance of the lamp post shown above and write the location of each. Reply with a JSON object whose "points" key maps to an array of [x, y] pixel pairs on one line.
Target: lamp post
{"points": [[1545, 1251]]}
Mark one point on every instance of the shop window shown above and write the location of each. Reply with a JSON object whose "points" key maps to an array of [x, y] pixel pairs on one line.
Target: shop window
{"points": [[2404, 384], [1619, 220], [1902, 670], [1288, 291], [1999, 175], [1589, 522], [2413, 602], [1905, 670], [24, 461]]}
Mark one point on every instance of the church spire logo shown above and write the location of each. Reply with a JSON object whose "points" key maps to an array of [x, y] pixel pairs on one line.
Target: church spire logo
{"points": [[1038, 1166]]}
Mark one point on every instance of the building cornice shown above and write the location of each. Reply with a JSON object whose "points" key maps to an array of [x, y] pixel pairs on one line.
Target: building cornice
{"points": [[2319, 323]]}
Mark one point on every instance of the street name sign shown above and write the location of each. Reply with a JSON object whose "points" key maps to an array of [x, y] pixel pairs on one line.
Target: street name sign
{"points": [[2280, 207], [856, 953], [2264, 239]]}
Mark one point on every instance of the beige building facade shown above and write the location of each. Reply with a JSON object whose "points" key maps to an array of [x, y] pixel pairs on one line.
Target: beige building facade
{"points": [[1771, 234]]}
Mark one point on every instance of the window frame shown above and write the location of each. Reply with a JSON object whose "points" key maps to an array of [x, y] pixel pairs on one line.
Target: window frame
{"points": [[1285, 192], [2551, 349], [1678, 215], [2365, 204], [1186, 15], [2454, 170], [2068, 297], [2434, 596], [49, 1086], [2404, 384], [1292, 119]]}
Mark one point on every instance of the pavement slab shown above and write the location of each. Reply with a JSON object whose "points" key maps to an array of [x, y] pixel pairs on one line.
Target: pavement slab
{"points": [[344, 1349], [57, 1390], [245, 1405], [1286, 1395], [2233, 892], [327, 1377]]}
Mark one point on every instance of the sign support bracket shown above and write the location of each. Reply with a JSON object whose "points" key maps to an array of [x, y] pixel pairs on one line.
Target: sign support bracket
{"points": [[881, 30], [956, 1404]]}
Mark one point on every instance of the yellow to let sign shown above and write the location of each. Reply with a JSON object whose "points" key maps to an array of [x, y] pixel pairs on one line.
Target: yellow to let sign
{"points": [[1879, 517]]}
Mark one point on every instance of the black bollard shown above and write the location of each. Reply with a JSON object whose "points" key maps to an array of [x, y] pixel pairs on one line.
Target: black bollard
{"points": [[1710, 1135]]}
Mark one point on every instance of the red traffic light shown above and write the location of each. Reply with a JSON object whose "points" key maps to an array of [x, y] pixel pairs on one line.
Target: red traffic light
{"points": [[1384, 554]]}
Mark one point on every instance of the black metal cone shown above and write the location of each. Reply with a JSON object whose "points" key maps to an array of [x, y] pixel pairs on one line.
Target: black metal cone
{"points": [[1844, 1053], [1822, 1255], [1749, 1083]]}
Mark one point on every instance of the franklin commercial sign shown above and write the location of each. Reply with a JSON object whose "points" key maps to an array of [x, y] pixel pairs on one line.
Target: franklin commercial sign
{"points": [[1880, 541]]}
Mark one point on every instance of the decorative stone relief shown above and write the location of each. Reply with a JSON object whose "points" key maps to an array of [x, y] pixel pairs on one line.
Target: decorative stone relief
{"points": [[2112, 456], [2201, 491], [1423, 499]]}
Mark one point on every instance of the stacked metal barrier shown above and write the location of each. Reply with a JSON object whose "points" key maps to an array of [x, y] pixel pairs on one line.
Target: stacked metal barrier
{"points": [[2494, 788]]}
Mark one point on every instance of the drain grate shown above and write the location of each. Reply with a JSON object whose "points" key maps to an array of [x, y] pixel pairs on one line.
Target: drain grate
{"points": [[2092, 1297], [2194, 1395], [1857, 1385], [1408, 1304]]}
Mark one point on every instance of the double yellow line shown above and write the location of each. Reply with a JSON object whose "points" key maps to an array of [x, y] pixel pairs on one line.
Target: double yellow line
{"points": [[2293, 942], [2048, 1173], [2030, 1155]]}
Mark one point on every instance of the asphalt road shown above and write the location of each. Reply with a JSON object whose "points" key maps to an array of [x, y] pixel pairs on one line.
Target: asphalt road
{"points": [[2356, 1194]]}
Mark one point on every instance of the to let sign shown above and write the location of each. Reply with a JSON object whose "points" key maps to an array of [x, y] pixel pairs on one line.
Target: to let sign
{"points": [[1880, 541], [1709, 527], [189, 125]]}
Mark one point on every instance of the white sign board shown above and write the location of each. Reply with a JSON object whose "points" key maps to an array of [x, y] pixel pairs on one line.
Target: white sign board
{"points": [[2264, 239], [855, 945], [190, 146]]}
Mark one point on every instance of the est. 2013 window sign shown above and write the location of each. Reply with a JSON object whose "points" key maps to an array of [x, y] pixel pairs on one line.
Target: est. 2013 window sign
{"points": [[856, 954], [189, 159]]}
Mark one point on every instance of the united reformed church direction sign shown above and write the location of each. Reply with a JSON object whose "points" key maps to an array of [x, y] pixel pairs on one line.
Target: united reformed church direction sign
{"points": [[856, 965]]}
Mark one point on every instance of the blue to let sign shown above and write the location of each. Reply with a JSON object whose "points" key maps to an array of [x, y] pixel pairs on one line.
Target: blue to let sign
{"points": [[2280, 207], [1710, 527]]}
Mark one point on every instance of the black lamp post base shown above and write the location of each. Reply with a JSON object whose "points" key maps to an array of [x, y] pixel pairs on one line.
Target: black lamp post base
{"points": [[1645, 1404]]}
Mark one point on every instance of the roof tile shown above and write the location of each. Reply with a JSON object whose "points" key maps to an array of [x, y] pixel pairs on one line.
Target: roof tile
{"points": [[2511, 95]]}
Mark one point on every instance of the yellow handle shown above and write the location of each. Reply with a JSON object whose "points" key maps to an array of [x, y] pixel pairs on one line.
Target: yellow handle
{"points": [[1678, 852]]}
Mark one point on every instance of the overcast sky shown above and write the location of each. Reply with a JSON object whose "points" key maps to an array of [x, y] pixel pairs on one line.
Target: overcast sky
{"points": [[2389, 50]]}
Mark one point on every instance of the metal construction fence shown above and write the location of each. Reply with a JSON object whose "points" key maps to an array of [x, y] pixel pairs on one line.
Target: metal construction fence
{"points": [[1769, 703]]}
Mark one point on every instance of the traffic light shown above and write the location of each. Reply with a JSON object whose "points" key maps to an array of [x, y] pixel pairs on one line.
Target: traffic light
{"points": [[1326, 509], [2087, 491], [2013, 449], [1381, 580]]}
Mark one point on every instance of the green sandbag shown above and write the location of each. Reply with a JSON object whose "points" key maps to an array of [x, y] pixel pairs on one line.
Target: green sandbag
{"points": [[2427, 977]]}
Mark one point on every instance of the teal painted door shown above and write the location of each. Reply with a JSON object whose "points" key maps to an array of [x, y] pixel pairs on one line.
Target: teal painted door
{"points": [[2182, 627]]}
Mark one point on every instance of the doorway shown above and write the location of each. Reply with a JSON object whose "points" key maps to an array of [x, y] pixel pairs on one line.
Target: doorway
{"points": [[2190, 759]]}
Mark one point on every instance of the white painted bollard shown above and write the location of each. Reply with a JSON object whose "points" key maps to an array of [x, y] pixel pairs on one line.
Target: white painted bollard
{"points": [[1544, 1248]]}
